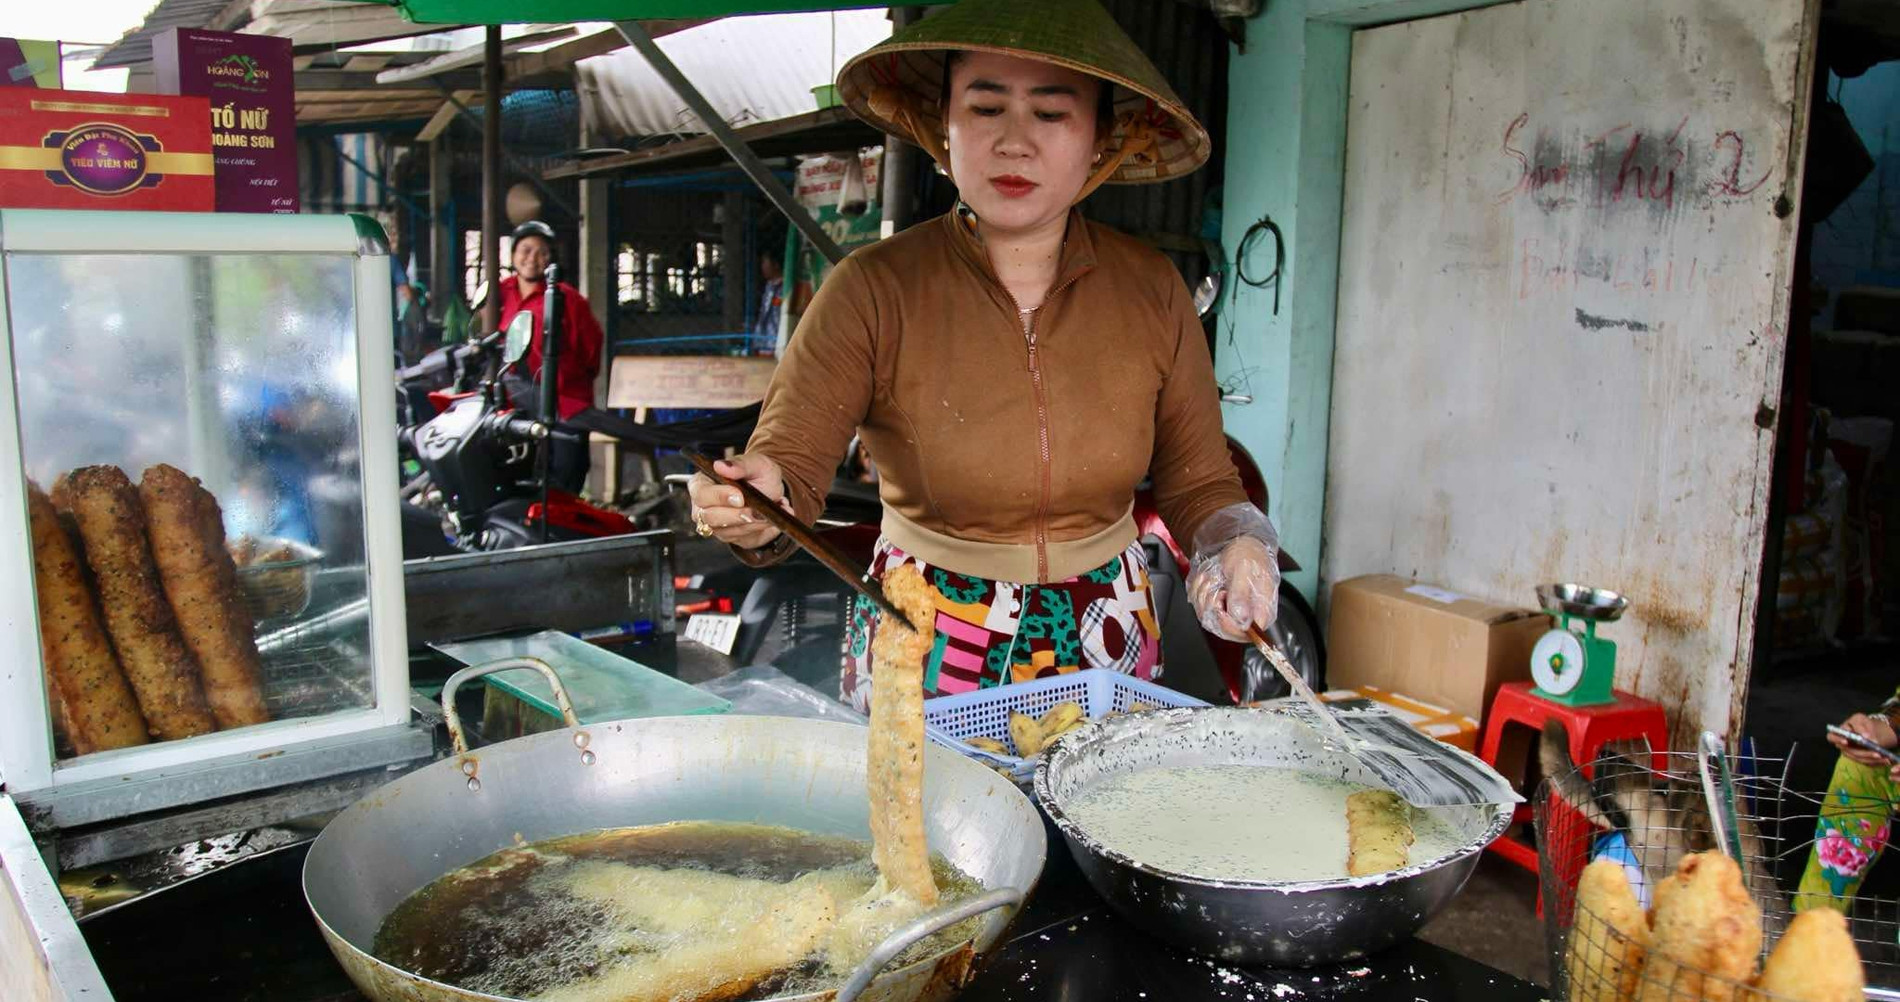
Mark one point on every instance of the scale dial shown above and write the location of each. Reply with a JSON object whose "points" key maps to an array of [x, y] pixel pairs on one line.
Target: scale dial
{"points": [[1557, 662]]}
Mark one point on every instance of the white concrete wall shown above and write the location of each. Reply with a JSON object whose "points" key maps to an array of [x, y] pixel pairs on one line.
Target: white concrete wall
{"points": [[1562, 303]]}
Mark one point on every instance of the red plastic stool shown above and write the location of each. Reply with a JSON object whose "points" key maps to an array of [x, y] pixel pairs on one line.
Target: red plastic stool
{"points": [[1590, 728]]}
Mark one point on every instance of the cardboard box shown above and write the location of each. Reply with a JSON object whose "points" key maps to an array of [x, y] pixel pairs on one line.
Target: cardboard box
{"points": [[1454, 729], [249, 82], [1431, 644], [64, 149]]}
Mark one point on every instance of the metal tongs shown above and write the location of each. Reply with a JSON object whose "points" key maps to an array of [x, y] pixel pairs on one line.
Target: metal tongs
{"points": [[1718, 788], [1423, 771], [859, 579]]}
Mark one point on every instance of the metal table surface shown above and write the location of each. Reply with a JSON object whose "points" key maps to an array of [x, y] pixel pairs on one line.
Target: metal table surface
{"points": [[244, 933]]}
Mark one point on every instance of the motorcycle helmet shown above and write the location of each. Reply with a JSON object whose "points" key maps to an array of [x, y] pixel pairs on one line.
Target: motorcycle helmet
{"points": [[536, 228]]}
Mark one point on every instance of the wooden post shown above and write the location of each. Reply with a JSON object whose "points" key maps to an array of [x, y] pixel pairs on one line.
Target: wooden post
{"points": [[736, 268], [898, 174], [596, 284], [445, 258], [491, 178]]}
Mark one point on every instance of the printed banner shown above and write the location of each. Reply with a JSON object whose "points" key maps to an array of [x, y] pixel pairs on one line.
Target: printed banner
{"points": [[253, 114], [84, 150]]}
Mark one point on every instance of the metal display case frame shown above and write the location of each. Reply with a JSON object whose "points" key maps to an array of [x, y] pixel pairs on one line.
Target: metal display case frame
{"points": [[169, 774]]}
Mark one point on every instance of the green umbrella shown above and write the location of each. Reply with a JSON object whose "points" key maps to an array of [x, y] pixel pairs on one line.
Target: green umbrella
{"points": [[555, 11]]}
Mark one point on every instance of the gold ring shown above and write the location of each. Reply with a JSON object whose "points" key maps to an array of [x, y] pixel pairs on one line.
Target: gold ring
{"points": [[700, 526]]}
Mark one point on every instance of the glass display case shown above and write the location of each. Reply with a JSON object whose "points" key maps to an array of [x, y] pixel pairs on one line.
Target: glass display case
{"points": [[197, 439]]}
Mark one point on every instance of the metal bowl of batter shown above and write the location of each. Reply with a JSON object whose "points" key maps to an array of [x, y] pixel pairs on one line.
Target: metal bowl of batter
{"points": [[1248, 911]]}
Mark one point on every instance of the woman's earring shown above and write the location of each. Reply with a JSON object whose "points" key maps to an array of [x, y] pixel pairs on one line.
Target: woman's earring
{"points": [[1098, 157], [946, 142]]}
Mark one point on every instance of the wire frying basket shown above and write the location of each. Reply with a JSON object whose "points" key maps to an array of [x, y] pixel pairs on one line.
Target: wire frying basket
{"points": [[1662, 814]]}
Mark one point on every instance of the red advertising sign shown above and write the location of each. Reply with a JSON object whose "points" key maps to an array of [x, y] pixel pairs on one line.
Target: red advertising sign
{"points": [[248, 80], [63, 149]]}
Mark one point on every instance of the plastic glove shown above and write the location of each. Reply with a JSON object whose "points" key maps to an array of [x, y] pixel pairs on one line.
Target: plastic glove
{"points": [[1234, 576]]}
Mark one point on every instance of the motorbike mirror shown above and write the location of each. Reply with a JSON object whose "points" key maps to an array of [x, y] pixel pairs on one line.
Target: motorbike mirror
{"points": [[479, 297], [1207, 293], [520, 332]]}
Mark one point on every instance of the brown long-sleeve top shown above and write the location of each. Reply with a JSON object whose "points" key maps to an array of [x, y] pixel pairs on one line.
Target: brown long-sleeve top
{"points": [[1002, 454]]}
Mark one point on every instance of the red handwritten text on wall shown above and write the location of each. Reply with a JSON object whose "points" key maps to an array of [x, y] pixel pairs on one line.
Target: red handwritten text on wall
{"points": [[1626, 163]]}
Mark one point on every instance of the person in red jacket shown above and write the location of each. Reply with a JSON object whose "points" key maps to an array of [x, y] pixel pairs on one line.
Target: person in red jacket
{"points": [[578, 362]]}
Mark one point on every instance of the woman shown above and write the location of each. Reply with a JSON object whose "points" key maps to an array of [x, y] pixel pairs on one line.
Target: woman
{"points": [[1015, 370], [1854, 823]]}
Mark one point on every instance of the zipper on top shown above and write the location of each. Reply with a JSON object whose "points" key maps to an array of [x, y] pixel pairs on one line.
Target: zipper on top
{"points": [[1045, 488]]}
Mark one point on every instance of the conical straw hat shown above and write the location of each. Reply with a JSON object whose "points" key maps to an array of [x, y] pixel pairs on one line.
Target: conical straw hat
{"points": [[897, 86]]}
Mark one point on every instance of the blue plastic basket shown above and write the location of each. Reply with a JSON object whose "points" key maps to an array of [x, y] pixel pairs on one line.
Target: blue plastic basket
{"points": [[985, 713]]}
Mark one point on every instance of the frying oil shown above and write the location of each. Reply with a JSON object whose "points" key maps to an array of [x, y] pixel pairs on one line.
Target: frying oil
{"points": [[552, 916], [1236, 822]]}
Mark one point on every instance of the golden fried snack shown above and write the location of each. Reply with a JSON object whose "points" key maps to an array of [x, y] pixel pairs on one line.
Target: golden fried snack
{"points": [[1815, 961], [726, 960], [1704, 923], [1378, 832], [200, 580], [896, 754], [990, 745], [160, 667], [1608, 937], [91, 699], [1062, 717], [1026, 734]]}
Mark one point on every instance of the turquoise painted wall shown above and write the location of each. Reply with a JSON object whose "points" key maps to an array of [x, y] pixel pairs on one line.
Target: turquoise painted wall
{"points": [[1285, 159], [1285, 143]]}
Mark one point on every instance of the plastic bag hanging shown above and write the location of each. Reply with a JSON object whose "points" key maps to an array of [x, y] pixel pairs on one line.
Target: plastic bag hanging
{"points": [[853, 197]]}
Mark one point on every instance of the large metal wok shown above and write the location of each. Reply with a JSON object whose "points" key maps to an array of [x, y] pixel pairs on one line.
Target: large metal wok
{"points": [[1285, 924], [801, 774]]}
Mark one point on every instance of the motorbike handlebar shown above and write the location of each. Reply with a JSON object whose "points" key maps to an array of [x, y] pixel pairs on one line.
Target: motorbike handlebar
{"points": [[516, 427]]}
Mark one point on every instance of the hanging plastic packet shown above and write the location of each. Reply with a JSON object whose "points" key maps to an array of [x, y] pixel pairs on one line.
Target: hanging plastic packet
{"points": [[853, 195]]}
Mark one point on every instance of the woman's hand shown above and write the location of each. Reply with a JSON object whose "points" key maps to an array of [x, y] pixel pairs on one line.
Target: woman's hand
{"points": [[1875, 728], [1238, 587], [720, 512]]}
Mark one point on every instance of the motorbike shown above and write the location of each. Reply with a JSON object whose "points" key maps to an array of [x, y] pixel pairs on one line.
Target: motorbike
{"points": [[481, 482]]}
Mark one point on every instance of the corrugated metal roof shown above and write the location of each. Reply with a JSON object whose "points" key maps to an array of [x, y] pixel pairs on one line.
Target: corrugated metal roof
{"points": [[304, 22], [752, 69], [136, 46]]}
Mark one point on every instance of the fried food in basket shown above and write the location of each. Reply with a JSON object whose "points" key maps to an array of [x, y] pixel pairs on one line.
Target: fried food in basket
{"points": [[1032, 736], [896, 753], [1061, 719], [92, 702], [1816, 961], [1609, 935], [1704, 924], [1026, 734], [200, 581], [1378, 832], [163, 673]]}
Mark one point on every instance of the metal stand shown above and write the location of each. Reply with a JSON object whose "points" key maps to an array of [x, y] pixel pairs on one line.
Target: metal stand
{"points": [[108, 819]]}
